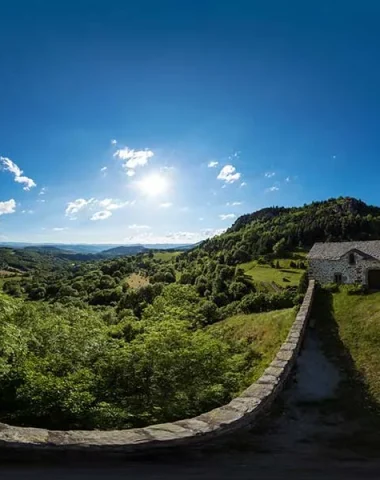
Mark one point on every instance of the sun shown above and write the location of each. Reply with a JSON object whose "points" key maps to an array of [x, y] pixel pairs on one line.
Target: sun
{"points": [[153, 185]]}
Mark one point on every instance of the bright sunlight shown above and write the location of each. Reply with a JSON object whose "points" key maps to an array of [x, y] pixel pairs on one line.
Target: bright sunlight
{"points": [[154, 184]]}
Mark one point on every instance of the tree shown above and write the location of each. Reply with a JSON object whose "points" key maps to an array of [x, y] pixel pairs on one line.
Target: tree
{"points": [[12, 287], [279, 248], [37, 293], [237, 290]]}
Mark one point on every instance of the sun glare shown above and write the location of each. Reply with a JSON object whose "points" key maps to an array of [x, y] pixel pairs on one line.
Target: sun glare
{"points": [[153, 185]]}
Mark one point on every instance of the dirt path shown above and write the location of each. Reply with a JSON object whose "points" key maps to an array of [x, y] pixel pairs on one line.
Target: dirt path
{"points": [[303, 439]]}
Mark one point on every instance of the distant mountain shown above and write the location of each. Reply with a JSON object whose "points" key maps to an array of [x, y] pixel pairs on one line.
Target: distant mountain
{"points": [[48, 249], [168, 246], [124, 250], [94, 248]]}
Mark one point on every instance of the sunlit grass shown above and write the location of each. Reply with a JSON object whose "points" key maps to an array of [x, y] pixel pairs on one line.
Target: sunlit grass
{"points": [[283, 276], [265, 332], [358, 320], [165, 256], [135, 280]]}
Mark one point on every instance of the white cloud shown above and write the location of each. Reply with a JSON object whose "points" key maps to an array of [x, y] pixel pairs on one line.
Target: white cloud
{"points": [[11, 167], [113, 141], [213, 164], [7, 207], [287, 179], [107, 204], [233, 204], [139, 227], [42, 191], [229, 174], [101, 215], [165, 205], [30, 212], [110, 204], [243, 184], [77, 205], [227, 216], [104, 169], [272, 189], [133, 158], [59, 229], [270, 174], [41, 200], [201, 219]]}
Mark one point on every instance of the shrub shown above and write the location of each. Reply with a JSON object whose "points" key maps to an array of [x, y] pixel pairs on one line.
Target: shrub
{"points": [[229, 310], [304, 282], [331, 287], [356, 289]]}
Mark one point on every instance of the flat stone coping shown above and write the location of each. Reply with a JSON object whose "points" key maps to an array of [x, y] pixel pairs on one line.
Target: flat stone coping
{"points": [[240, 412]]}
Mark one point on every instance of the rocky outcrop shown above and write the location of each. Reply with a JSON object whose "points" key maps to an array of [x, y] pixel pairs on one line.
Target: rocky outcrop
{"points": [[240, 412]]}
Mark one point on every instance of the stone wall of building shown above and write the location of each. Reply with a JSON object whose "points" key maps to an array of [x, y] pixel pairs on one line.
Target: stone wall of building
{"points": [[323, 271], [239, 413]]}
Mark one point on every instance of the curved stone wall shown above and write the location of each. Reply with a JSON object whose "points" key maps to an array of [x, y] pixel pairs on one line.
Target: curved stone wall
{"points": [[240, 412]]}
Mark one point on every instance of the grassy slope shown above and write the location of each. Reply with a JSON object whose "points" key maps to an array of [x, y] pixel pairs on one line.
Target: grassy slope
{"points": [[165, 256], [265, 331], [349, 329], [358, 319], [283, 276], [135, 280]]}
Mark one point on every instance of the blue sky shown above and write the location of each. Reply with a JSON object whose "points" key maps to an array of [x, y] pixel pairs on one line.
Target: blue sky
{"points": [[163, 121]]}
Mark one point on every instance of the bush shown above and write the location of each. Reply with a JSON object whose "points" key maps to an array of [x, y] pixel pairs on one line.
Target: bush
{"points": [[229, 310], [264, 302], [357, 289], [304, 282], [331, 287]]}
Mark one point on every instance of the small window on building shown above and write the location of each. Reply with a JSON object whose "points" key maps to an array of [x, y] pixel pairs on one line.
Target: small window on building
{"points": [[337, 278], [351, 259]]}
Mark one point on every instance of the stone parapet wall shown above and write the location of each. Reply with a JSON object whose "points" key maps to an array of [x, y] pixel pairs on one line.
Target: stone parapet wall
{"points": [[242, 411]]}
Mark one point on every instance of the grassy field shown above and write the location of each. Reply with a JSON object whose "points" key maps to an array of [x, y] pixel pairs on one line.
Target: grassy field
{"points": [[136, 280], [165, 256], [349, 326], [266, 275], [265, 332]]}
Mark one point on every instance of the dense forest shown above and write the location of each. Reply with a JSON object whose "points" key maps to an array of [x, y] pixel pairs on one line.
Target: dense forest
{"points": [[121, 342], [280, 229]]}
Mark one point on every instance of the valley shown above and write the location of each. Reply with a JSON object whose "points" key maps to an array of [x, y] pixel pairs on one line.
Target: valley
{"points": [[120, 341]]}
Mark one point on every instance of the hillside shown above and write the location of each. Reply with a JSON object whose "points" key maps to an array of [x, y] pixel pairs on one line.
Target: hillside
{"points": [[91, 329], [259, 233], [30, 259], [124, 250]]}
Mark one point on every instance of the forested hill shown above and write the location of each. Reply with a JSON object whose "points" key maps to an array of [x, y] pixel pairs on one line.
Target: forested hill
{"points": [[258, 233]]}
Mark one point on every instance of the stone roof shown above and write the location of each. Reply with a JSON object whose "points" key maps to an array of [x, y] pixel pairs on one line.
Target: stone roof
{"points": [[335, 250]]}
